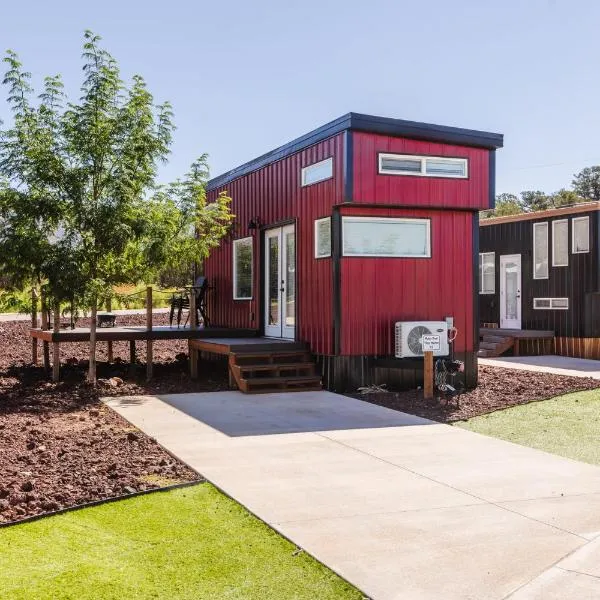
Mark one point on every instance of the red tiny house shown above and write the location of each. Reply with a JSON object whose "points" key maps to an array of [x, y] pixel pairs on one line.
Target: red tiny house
{"points": [[345, 306]]}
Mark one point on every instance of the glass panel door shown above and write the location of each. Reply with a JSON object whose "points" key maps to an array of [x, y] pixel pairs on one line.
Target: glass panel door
{"points": [[289, 282], [510, 291], [280, 282]]}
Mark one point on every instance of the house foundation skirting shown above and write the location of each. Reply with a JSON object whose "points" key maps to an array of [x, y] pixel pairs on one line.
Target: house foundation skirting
{"points": [[347, 373], [578, 347]]}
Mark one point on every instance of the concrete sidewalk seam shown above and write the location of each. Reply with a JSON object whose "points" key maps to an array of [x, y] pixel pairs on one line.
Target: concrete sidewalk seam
{"points": [[447, 485]]}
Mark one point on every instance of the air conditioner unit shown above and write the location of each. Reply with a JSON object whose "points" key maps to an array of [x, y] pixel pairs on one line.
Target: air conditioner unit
{"points": [[409, 336]]}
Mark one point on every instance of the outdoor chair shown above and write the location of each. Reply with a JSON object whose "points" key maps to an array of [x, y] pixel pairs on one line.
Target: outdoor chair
{"points": [[181, 301]]}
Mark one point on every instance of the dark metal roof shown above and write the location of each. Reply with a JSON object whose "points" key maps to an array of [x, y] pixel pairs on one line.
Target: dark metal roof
{"points": [[371, 124]]}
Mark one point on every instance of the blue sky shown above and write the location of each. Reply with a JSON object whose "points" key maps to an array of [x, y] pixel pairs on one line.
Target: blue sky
{"points": [[247, 76]]}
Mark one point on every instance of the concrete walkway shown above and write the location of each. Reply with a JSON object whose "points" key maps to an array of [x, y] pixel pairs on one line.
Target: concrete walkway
{"points": [[399, 506], [559, 365]]}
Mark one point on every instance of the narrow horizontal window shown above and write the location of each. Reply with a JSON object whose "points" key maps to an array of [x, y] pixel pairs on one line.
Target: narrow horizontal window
{"points": [[581, 235], [445, 167], [551, 303], [540, 250], [487, 273], [242, 269], [398, 164], [323, 237], [386, 237], [317, 172], [560, 243], [423, 166]]}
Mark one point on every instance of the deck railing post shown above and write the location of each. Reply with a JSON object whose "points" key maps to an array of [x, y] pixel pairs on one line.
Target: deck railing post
{"points": [[55, 343], [34, 325], [193, 325], [149, 354], [45, 345], [109, 344]]}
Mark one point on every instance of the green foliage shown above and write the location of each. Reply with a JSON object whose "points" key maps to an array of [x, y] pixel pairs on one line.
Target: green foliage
{"points": [[586, 183], [79, 207], [565, 197], [186, 544], [535, 200]]}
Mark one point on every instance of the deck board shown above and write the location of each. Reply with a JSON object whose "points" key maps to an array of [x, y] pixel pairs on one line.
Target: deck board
{"points": [[521, 334]]}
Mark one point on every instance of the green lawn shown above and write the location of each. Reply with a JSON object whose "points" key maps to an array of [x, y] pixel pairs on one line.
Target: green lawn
{"points": [[191, 543], [567, 425]]}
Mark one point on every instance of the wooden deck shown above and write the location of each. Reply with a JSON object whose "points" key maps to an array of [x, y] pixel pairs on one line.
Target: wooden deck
{"points": [[135, 333], [521, 334], [536, 341], [243, 344]]}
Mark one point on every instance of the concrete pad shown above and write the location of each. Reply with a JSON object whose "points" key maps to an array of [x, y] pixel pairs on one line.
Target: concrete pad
{"points": [[577, 514], [559, 365], [400, 506], [485, 467], [268, 414], [463, 552], [586, 560], [556, 584]]}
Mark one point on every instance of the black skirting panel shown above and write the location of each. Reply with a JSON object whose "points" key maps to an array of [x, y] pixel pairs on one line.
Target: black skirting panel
{"points": [[348, 373]]}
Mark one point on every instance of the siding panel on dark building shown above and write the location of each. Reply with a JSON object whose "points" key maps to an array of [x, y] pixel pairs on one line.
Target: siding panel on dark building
{"points": [[575, 281]]}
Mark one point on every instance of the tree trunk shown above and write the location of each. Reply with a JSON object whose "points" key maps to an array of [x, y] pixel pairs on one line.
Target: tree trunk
{"points": [[92, 367]]}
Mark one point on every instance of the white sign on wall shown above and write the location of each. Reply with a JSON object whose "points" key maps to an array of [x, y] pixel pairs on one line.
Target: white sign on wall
{"points": [[431, 343]]}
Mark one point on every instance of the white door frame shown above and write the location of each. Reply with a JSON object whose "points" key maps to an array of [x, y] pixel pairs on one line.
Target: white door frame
{"points": [[512, 323], [278, 322]]}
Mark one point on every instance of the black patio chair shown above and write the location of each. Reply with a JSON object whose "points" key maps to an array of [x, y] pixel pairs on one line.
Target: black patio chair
{"points": [[181, 301]]}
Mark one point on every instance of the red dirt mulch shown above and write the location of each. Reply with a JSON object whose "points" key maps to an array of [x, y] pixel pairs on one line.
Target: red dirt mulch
{"points": [[498, 388], [61, 447]]}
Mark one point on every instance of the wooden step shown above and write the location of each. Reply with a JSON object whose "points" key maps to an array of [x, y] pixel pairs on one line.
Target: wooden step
{"points": [[277, 384], [490, 349], [270, 358], [488, 345], [274, 368], [496, 339]]}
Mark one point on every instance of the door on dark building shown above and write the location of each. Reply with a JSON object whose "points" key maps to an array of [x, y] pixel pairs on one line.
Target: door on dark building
{"points": [[510, 291], [280, 282]]}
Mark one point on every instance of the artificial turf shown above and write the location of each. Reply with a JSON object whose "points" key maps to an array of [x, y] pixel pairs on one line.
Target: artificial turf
{"points": [[567, 425], [189, 543]]}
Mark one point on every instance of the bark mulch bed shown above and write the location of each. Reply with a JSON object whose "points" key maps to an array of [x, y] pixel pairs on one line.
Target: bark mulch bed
{"points": [[498, 388], [61, 447]]}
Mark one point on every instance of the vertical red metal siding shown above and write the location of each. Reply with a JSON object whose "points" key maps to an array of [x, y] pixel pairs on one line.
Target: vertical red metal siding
{"points": [[371, 187], [377, 292], [274, 194]]}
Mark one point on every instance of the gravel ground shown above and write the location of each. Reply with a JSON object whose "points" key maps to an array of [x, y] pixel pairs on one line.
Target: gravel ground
{"points": [[498, 388], [61, 447]]}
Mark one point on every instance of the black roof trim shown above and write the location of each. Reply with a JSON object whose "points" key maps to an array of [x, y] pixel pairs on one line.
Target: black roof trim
{"points": [[371, 124]]}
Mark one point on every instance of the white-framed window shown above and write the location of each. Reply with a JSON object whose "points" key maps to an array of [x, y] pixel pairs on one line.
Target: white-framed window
{"points": [[387, 237], [551, 303], [242, 269], [316, 172], [581, 235], [423, 166], [560, 243], [487, 273], [323, 237], [540, 250]]}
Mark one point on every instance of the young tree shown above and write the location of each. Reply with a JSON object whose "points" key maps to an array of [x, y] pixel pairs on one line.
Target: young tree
{"points": [[565, 198], [535, 200], [586, 183], [76, 180]]}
